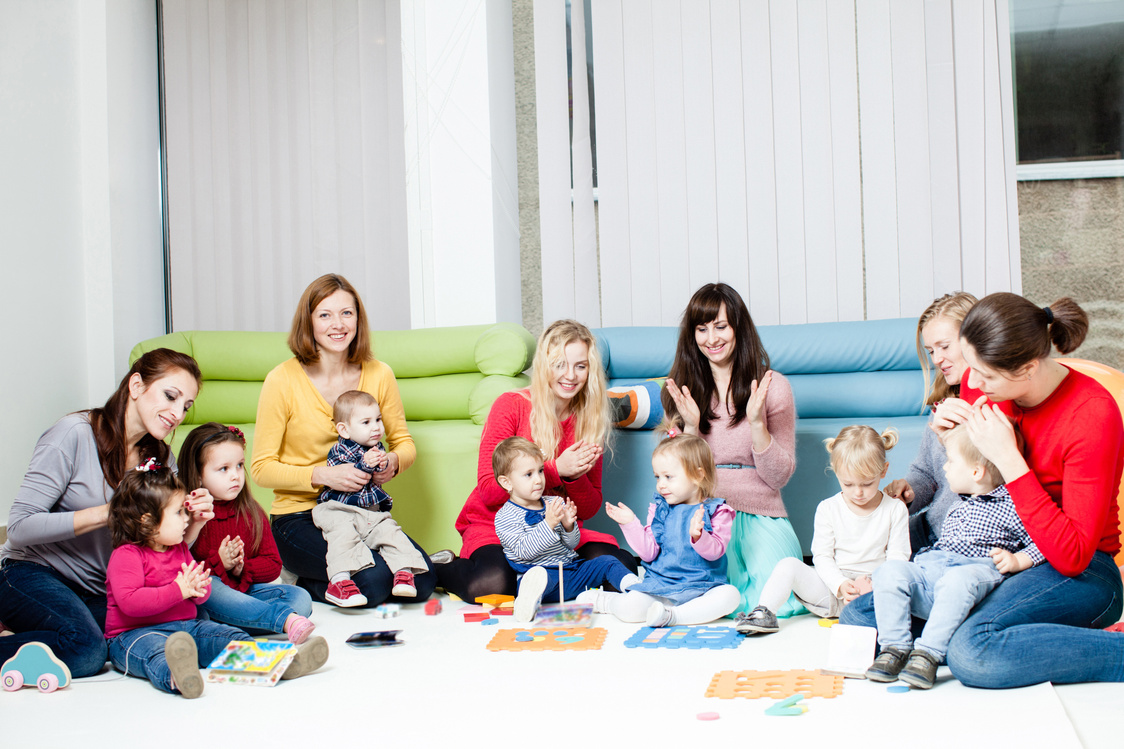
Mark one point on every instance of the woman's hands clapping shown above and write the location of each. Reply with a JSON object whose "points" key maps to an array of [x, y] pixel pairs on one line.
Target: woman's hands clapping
{"points": [[577, 459]]}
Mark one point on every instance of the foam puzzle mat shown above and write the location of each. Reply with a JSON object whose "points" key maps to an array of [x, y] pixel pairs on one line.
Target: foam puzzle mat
{"points": [[774, 685], [548, 639], [695, 638]]}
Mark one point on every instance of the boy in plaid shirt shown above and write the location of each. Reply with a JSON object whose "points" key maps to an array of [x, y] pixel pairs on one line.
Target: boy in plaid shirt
{"points": [[355, 523], [982, 541]]}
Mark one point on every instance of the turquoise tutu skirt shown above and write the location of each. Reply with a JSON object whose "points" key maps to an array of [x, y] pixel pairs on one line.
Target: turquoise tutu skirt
{"points": [[758, 543]]}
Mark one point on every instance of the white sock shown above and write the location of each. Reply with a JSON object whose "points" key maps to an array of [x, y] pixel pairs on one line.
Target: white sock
{"points": [[627, 582], [339, 577]]}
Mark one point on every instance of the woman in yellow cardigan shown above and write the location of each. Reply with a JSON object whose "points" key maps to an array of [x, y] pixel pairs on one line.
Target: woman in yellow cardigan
{"points": [[331, 347]]}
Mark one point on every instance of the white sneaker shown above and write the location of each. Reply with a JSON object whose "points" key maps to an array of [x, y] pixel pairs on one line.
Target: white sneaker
{"points": [[531, 589], [599, 598], [659, 615]]}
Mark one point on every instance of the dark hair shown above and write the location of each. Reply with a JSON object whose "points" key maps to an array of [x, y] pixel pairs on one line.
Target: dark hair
{"points": [[503, 457], [692, 369], [108, 422], [136, 509], [301, 340], [193, 456], [347, 402], [1008, 332]]}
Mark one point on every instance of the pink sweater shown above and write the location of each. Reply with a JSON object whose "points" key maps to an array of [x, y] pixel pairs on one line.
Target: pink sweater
{"points": [[756, 490], [141, 588]]}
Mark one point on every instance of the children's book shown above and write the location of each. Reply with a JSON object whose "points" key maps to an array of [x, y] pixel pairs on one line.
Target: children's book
{"points": [[851, 651], [253, 662]]}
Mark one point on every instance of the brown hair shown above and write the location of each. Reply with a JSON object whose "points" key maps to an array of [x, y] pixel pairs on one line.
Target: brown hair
{"points": [[694, 453], [301, 340], [511, 448], [953, 307], [193, 456], [860, 450], [1008, 331], [692, 370], [957, 439], [136, 509], [346, 404], [590, 406], [108, 422]]}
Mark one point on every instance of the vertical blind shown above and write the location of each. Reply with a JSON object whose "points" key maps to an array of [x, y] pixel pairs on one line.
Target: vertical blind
{"points": [[830, 160]]}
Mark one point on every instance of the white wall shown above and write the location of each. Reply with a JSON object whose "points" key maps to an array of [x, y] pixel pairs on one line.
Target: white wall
{"points": [[459, 92], [79, 211]]}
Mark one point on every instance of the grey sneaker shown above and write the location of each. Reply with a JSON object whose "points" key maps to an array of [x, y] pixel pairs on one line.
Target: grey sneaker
{"points": [[311, 655], [531, 588], [920, 670], [888, 664], [183, 663], [760, 621]]}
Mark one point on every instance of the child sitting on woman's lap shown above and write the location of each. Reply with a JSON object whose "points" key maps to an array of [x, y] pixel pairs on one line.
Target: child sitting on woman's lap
{"points": [[539, 533]]}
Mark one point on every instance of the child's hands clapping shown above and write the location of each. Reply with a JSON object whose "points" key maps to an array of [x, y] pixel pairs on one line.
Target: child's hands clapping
{"points": [[697, 524], [620, 513], [232, 552], [569, 515], [194, 580], [554, 511], [375, 458]]}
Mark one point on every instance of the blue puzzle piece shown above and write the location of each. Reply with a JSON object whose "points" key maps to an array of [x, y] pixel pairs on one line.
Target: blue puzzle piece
{"points": [[524, 637], [694, 638]]}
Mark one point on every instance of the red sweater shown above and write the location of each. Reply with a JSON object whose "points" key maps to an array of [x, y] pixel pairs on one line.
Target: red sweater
{"points": [[262, 566], [511, 417], [1074, 442]]}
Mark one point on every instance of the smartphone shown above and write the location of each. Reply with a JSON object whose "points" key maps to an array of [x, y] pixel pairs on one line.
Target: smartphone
{"points": [[382, 639]]}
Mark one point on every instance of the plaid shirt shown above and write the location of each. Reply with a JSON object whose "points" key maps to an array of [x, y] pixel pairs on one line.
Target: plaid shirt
{"points": [[977, 524], [370, 496]]}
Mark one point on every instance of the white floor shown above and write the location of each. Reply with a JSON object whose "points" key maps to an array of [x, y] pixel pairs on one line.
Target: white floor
{"points": [[444, 688]]}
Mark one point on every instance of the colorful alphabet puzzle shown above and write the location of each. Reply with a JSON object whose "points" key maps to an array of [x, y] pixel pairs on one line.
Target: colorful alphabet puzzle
{"points": [[548, 639], [773, 684], [712, 638]]}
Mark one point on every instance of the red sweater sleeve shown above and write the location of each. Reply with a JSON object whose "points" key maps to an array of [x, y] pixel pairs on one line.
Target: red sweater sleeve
{"points": [[504, 420], [1067, 501]]}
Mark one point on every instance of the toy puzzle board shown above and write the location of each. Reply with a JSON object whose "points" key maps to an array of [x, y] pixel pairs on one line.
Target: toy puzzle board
{"points": [[695, 638], [520, 640], [775, 685]]}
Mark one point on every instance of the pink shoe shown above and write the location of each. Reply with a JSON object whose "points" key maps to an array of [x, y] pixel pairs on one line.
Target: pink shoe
{"points": [[299, 630], [404, 585], [345, 594]]}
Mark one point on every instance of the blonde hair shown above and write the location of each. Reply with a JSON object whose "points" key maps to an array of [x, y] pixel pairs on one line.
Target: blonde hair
{"points": [[957, 439], [590, 405], [503, 457], [860, 451], [698, 462], [952, 307]]}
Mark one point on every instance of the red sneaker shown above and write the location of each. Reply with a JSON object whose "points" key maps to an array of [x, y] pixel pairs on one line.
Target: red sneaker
{"points": [[345, 594], [404, 585]]}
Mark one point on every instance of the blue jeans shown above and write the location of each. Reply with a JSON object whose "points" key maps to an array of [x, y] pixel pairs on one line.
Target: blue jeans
{"points": [[41, 605], [1039, 625], [939, 586], [581, 574], [261, 610], [303, 551], [140, 652]]}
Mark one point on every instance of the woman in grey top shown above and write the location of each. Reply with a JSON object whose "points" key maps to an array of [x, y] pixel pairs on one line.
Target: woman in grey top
{"points": [[924, 487], [52, 569]]}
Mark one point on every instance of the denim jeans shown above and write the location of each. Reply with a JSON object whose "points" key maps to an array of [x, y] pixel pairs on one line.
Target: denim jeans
{"points": [[1039, 625], [140, 652], [41, 605], [938, 586], [303, 551], [261, 610], [581, 574]]}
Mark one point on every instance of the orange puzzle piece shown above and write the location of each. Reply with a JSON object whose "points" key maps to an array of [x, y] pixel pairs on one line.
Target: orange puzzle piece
{"points": [[495, 600], [548, 638], [775, 685]]}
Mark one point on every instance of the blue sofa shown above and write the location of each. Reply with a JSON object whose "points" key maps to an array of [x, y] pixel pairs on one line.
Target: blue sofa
{"points": [[841, 373]]}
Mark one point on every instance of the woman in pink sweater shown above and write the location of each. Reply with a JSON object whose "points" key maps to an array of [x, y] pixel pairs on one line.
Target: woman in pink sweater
{"points": [[749, 421], [566, 413]]}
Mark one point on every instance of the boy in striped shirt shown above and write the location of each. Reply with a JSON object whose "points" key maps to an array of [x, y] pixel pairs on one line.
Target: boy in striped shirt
{"points": [[539, 533]]}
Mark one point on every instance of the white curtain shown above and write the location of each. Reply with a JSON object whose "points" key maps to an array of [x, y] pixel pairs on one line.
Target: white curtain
{"points": [[831, 160], [285, 157]]}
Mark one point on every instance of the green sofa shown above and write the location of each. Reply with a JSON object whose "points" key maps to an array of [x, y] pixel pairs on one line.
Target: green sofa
{"points": [[448, 378]]}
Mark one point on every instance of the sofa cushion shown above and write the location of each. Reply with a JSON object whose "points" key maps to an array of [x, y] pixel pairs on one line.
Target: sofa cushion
{"points": [[637, 406], [504, 349]]}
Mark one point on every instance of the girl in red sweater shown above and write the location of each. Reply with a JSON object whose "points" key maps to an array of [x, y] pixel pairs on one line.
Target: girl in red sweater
{"points": [[1044, 624], [238, 544]]}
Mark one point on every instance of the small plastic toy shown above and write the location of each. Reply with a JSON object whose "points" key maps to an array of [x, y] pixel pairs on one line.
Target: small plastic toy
{"points": [[432, 607], [490, 621], [897, 689], [788, 706], [708, 716], [695, 638], [388, 610], [34, 663], [475, 616], [496, 601]]}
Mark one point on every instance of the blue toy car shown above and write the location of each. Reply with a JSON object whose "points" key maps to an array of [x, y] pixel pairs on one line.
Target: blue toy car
{"points": [[34, 663]]}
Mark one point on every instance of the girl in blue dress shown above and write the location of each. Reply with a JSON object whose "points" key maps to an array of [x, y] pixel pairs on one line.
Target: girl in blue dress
{"points": [[683, 545]]}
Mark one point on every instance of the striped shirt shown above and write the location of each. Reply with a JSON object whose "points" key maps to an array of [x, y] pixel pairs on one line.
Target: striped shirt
{"points": [[977, 524], [527, 541]]}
